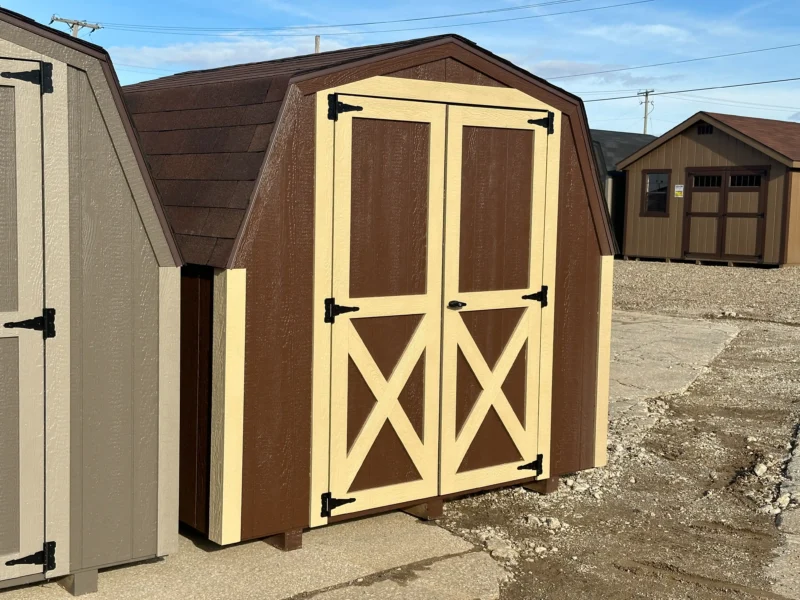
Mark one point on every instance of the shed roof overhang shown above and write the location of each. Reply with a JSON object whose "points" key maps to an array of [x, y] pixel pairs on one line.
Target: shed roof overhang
{"points": [[707, 118]]}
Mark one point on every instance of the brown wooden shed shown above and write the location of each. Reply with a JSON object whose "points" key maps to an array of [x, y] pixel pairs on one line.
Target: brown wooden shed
{"points": [[717, 188], [335, 287], [89, 308]]}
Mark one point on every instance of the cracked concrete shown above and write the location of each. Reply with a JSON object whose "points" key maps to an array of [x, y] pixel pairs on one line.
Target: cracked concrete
{"points": [[654, 355]]}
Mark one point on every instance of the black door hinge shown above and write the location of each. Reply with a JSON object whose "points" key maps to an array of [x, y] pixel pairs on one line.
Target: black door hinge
{"points": [[538, 296], [332, 310], [46, 323], [330, 503], [335, 107], [45, 557], [43, 76], [534, 466], [548, 122]]}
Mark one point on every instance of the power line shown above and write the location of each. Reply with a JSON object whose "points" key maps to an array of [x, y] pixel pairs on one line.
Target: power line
{"points": [[703, 89], [735, 102], [450, 26], [676, 62], [364, 24]]}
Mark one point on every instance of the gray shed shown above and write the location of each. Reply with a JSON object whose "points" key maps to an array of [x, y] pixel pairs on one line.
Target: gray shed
{"points": [[89, 308]]}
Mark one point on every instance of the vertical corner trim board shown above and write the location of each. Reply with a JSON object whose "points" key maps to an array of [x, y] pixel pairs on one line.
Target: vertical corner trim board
{"points": [[603, 360], [227, 406], [169, 334]]}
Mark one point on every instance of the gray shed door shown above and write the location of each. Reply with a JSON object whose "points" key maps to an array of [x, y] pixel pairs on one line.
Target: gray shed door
{"points": [[21, 298]]}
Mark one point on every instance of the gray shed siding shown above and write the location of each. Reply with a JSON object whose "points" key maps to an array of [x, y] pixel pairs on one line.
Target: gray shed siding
{"points": [[114, 299]]}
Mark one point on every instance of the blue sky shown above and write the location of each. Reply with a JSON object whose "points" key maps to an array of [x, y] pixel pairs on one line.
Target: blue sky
{"points": [[554, 46]]}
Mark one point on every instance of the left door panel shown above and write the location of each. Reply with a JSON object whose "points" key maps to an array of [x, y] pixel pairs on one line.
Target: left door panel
{"points": [[21, 298], [387, 261]]}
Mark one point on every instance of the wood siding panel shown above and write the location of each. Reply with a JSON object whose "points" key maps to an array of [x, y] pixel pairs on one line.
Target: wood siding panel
{"points": [[659, 237], [497, 174], [448, 70], [114, 351], [277, 250], [8, 201], [9, 447], [741, 236], [703, 235], [389, 208], [576, 322]]}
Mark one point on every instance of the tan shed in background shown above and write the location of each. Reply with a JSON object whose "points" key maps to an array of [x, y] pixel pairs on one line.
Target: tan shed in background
{"points": [[730, 196], [94, 450]]}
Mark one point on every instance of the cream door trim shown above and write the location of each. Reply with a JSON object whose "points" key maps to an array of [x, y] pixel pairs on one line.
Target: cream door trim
{"points": [[323, 250], [333, 468], [30, 304], [535, 325], [346, 343], [434, 91], [549, 259], [227, 406], [603, 360], [169, 406], [55, 107]]}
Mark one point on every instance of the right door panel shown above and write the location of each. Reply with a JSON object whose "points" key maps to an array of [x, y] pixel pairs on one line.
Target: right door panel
{"points": [[494, 232]]}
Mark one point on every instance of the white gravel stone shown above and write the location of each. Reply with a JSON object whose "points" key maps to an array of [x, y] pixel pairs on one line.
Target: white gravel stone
{"points": [[760, 469]]}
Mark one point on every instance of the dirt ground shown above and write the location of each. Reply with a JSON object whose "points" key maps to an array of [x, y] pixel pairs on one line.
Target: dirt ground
{"points": [[687, 507]]}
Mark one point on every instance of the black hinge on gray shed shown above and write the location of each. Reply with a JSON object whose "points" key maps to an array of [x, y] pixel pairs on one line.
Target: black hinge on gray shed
{"points": [[43, 76], [548, 122], [45, 557], [538, 296], [335, 107], [332, 310], [329, 503], [46, 323], [534, 466]]}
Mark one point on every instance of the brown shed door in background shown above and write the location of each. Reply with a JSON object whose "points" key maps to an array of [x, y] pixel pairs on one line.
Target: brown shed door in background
{"points": [[387, 261], [21, 298], [725, 214], [496, 163]]}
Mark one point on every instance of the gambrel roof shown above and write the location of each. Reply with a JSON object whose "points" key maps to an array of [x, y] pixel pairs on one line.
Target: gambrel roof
{"points": [[97, 63], [206, 133]]}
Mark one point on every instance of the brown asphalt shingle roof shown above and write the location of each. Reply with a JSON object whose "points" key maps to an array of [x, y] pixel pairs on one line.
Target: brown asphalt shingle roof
{"points": [[781, 136], [205, 134]]}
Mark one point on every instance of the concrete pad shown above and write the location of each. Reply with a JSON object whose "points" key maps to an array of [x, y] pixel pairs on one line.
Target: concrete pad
{"points": [[473, 576], [655, 355], [330, 556]]}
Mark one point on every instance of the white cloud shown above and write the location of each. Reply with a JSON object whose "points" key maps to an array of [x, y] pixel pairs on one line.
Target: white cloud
{"points": [[550, 69], [632, 33], [204, 55]]}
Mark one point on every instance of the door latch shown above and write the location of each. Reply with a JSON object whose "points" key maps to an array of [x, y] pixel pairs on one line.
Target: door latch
{"points": [[456, 305], [46, 323]]}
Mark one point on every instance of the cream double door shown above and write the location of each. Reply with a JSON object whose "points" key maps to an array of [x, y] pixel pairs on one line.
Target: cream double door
{"points": [[436, 299], [21, 299]]}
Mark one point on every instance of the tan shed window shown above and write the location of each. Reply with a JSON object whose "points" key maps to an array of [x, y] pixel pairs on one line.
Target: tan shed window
{"points": [[708, 181], [745, 181], [655, 197]]}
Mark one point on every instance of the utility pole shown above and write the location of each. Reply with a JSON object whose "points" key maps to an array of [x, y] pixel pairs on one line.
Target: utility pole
{"points": [[646, 103], [316, 44], [76, 26]]}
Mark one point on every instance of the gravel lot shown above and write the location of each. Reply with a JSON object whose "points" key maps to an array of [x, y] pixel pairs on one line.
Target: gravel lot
{"points": [[688, 505], [706, 291]]}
